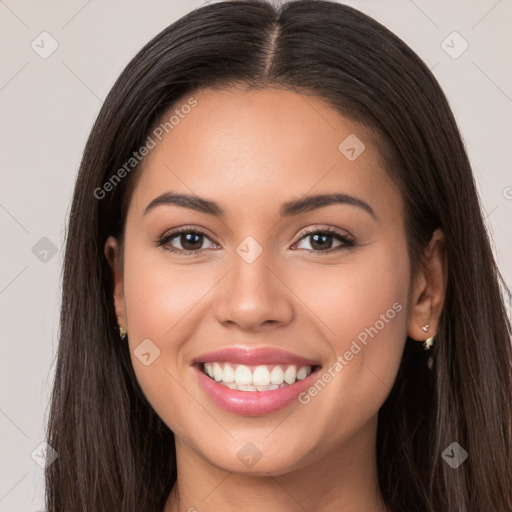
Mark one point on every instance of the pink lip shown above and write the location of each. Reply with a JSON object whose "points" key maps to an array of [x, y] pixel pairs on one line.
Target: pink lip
{"points": [[252, 403], [254, 356]]}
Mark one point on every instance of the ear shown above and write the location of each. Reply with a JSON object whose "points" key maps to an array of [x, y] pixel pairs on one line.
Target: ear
{"points": [[114, 257], [429, 290]]}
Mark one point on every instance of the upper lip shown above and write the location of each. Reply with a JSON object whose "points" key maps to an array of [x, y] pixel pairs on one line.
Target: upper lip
{"points": [[254, 356]]}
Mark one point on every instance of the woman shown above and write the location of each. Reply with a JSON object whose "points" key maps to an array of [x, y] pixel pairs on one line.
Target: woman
{"points": [[278, 291]]}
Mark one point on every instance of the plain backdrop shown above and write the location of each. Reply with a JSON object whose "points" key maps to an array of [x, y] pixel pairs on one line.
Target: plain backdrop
{"points": [[48, 106]]}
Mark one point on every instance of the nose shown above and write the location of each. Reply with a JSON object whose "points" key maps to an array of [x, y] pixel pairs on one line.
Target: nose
{"points": [[254, 296]]}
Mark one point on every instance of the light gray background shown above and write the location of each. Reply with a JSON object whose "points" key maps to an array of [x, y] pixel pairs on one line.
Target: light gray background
{"points": [[48, 107]]}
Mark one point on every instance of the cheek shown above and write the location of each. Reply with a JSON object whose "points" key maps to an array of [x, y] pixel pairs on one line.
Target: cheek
{"points": [[161, 303], [159, 295], [361, 311]]}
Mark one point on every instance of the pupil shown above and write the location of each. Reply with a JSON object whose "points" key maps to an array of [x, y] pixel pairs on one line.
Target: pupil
{"points": [[323, 238], [187, 239]]}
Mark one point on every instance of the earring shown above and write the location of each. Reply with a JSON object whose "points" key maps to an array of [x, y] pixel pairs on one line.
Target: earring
{"points": [[428, 343], [426, 327], [122, 332]]}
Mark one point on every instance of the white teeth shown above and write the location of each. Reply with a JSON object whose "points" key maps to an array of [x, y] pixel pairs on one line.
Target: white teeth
{"points": [[246, 388], [217, 372], [277, 375], [303, 372], [229, 373], [290, 374], [209, 369], [260, 378], [267, 388], [232, 385], [243, 376]]}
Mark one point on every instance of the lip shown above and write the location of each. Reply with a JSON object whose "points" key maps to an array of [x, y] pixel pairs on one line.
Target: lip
{"points": [[254, 356], [253, 403]]}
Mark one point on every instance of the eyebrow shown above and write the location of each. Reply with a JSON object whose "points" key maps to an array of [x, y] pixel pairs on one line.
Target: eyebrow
{"points": [[290, 208]]}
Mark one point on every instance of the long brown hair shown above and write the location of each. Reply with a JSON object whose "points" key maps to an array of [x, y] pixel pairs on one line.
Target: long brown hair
{"points": [[115, 453]]}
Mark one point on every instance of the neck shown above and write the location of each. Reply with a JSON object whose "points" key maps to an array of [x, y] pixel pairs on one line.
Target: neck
{"points": [[344, 479]]}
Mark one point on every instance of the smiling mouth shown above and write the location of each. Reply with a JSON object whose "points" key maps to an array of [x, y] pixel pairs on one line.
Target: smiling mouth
{"points": [[268, 377]]}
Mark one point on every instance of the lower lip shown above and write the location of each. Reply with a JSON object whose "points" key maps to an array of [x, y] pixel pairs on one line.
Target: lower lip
{"points": [[253, 403]]}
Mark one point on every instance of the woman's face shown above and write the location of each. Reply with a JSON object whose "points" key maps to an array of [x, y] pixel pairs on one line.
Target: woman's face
{"points": [[267, 285]]}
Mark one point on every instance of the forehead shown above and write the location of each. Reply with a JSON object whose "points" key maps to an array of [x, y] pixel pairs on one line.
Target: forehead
{"points": [[250, 148]]}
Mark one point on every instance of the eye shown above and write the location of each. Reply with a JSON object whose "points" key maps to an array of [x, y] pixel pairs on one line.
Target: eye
{"points": [[190, 240], [321, 240]]}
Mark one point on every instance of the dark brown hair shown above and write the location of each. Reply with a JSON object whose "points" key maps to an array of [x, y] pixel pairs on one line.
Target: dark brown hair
{"points": [[115, 453]]}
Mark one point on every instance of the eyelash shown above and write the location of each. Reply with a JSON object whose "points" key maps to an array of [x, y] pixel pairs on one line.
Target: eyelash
{"points": [[347, 241]]}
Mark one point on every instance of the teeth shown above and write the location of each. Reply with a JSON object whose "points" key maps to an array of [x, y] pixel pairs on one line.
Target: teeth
{"points": [[217, 372], [290, 374], [229, 374], [246, 388], [232, 385], [277, 375], [302, 373], [209, 369], [267, 388], [243, 375], [260, 378]]}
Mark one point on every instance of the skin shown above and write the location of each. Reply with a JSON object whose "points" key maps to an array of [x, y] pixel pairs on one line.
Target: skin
{"points": [[251, 151]]}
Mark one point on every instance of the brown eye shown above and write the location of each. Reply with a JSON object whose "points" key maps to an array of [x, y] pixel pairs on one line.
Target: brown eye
{"points": [[323, 240], [184, 241], [190, 241]]}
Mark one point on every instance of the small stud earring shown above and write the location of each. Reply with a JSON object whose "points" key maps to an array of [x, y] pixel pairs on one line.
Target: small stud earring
{"points": [[428, 343], [426, 327], [122, 332]]}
